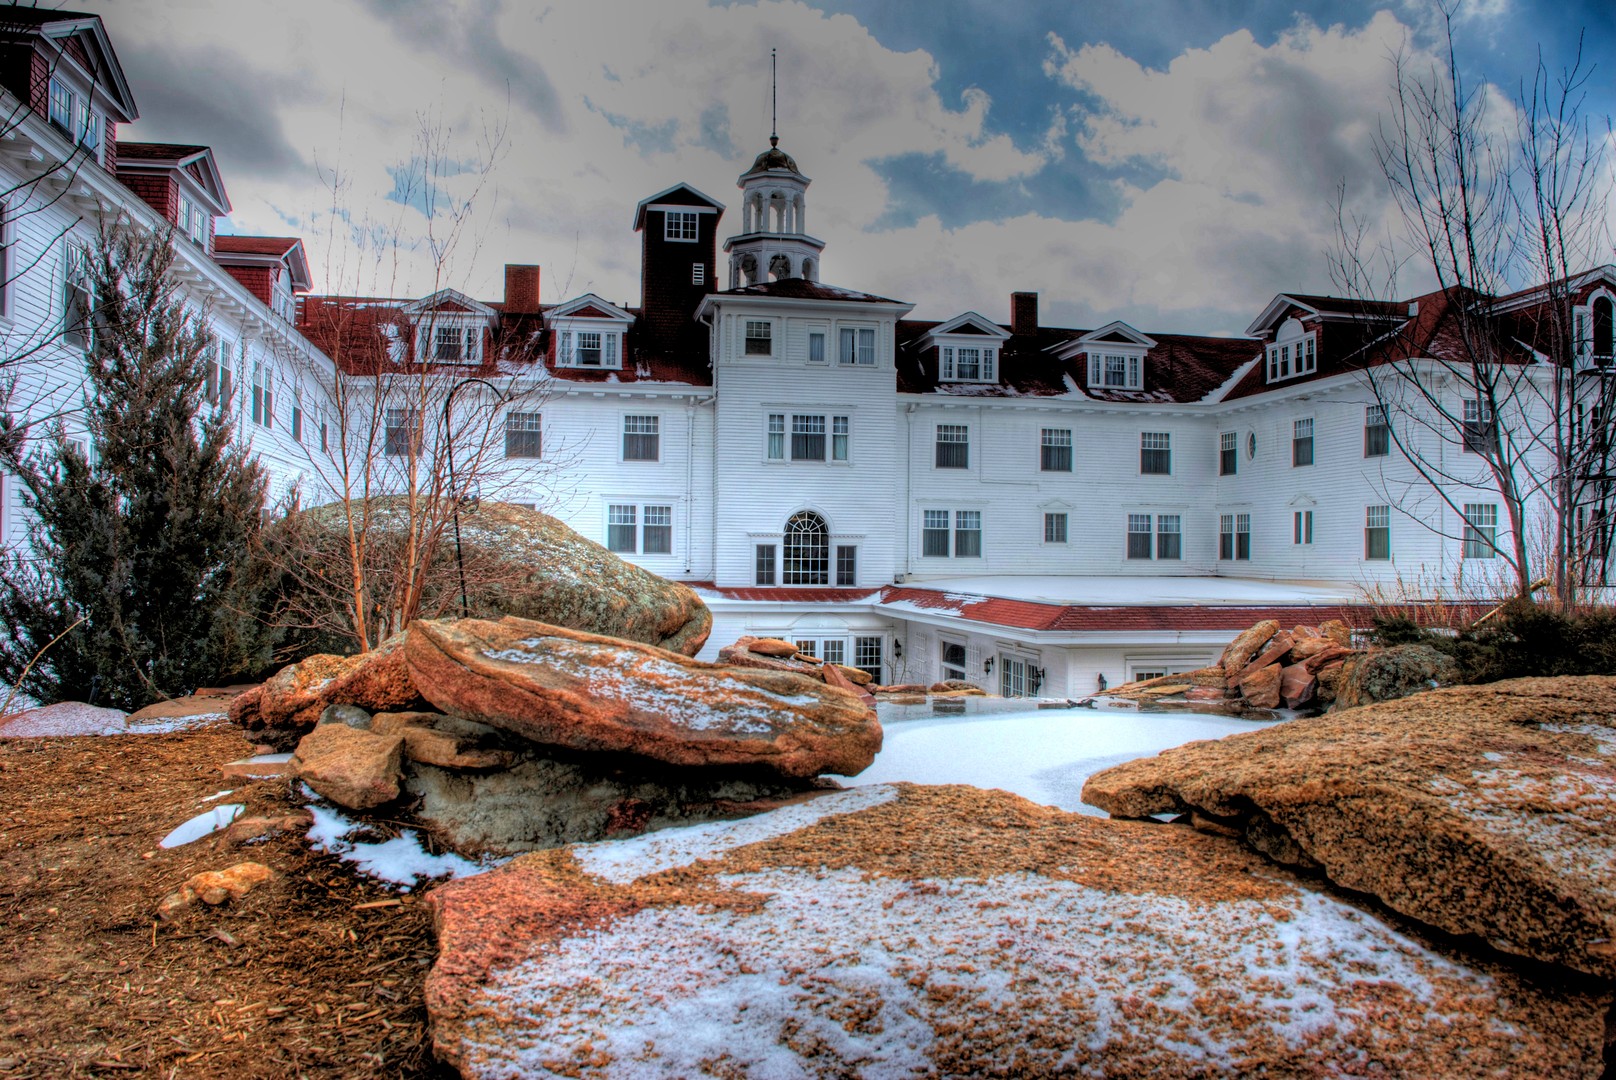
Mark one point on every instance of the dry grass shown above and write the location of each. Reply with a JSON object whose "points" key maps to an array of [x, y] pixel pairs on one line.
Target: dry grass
{"points": [[294, 980]]}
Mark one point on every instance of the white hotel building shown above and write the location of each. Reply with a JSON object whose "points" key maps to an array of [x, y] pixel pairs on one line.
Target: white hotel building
{"points": [[1036, 509]]}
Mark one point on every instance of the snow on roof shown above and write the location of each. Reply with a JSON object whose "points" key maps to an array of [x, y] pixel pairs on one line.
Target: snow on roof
{"points": [[1141, 591]]}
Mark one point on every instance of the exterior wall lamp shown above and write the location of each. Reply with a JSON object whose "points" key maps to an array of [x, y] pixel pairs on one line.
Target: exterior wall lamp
{"points": [[987, 666]]}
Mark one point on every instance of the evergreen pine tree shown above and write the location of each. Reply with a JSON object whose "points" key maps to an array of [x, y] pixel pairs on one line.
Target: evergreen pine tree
{"points": [[147, 536]]}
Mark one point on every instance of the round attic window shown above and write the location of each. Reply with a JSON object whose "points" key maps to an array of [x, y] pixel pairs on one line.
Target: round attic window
{"points": [[1251, 445]]}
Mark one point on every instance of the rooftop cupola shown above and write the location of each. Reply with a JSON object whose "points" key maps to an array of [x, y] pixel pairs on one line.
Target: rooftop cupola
{"points": [[773, 243]]}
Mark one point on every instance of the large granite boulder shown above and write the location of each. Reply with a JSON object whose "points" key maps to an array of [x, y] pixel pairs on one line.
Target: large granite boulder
{"points": [[1485, 810], [1389, 674], [291, 701], [525, 563], [956, 932], [565, 688]]}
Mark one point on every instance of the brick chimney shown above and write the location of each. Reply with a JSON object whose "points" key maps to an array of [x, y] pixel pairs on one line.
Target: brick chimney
{"points": [[521, 289], [1023, 313]]}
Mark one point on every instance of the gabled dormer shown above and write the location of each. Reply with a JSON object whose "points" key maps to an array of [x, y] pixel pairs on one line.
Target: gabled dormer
{"points": [[965, 349], [179, 181], [1113, 356], [274, 268], [450, 327], [588, 333], [63, 65]]}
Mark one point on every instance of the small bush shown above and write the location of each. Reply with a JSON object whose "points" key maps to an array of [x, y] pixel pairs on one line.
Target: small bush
{"points": [[1522, 640]]}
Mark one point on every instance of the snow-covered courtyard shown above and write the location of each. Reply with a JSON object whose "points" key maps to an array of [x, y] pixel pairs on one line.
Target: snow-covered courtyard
{"points": [[1041, 754]]}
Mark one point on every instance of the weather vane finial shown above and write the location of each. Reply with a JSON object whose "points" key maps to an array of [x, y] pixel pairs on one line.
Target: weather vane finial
{"points": [[774, 98]]}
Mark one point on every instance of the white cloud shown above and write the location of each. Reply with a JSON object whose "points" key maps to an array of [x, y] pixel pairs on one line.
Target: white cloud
{"points": [[611, 101]]}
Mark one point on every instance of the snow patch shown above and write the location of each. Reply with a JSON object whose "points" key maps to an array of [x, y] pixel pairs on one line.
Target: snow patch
{"points": [[872, 976], [401, 860], [1040, 754], [205, 823], [623, 861]]}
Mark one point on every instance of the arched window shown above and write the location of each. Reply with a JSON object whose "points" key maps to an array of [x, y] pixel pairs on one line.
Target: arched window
{"points": [[806, 554], [779, 268], [808, 270], [1604, 337], [749, 270]]}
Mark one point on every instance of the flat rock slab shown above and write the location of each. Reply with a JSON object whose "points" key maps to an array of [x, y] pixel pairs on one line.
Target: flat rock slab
{"points": [[64, 718], [904, 931], [352, 768], [566, 688], [292, 699], [1486, 810]]}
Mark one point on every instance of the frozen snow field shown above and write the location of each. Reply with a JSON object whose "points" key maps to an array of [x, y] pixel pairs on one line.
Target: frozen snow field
{"points": [[1040, 754]]}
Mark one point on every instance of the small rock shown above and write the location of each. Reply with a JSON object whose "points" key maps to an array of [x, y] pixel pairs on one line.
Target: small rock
{"points": [[215, 887], [1273, 653], [253, 828], [353, 768], [1261, 687], [1296, 686], [352, 715]]}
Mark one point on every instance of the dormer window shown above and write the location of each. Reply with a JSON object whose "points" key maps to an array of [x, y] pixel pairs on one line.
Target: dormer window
{"points": [[449, 338], [1596, 332], [193, 220], [70, 111], [969, 363], [1116, 371], [1293, 353], [590, 349]]}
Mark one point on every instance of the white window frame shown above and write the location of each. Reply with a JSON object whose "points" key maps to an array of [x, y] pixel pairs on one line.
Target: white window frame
{"points": [[1480, 531], [1302, 528], [950, 362], [963, 527], [570, 349], [434, 329], [1111, 368], [522, 428], [755, 330], [1050, 442], [856, 346], [638, 517], [1057, 527], [677, 223], [1294, 352], [957, 435], [637, 421]]}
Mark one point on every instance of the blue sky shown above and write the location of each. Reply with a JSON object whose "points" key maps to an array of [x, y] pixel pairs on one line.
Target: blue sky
{"points": [[1173, 164]]}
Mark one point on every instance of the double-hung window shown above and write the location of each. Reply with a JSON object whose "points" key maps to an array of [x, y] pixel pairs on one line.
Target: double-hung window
{"points": [[70, 111], [858, 346], [759, 337], [867, 655], [839, 436], [766, 560], [263, 397], [680, 225], [1234, 536], [846, 564], [968, 363], [642, 438], [807, 438], [774, 442], [1377, 435], [634, 529], [1169, 537], [447, 344], [1055, 450], [523, 435], [1055, 528], [398, 432], [1228, 453], [953, 446], [1302, 527], [816, 347], [967, 534], [1155, 453], [1481, 530], [1378, 532], [77, 303], [1302, 442], [1478, 426], [1138, 536]]}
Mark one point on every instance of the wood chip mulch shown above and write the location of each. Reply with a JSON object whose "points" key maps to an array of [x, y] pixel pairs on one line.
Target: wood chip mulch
{"points": [[314, 974]]}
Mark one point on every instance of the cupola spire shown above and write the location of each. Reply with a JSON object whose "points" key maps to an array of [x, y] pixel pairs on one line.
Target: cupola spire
{"points": [[773, 244], [774, 97]]}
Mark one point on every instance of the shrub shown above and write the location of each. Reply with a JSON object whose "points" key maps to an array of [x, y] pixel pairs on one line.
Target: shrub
{"points": [[1523, 639]]}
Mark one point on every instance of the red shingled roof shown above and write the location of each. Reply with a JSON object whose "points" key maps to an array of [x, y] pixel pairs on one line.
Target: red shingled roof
{"points": [[139, 151], [790, 595], [226, 244]]}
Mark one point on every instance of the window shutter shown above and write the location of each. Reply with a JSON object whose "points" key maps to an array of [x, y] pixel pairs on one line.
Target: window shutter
{"points": [[611, 349], [973, 661], [1094, 369], [565, 355], [1133, 374], [948, 364], [989, 356]]}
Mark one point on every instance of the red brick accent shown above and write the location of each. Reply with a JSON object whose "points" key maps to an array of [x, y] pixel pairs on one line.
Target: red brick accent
{"points": [[1023, 313], [159, 192], [256, 279], [521, 289]]}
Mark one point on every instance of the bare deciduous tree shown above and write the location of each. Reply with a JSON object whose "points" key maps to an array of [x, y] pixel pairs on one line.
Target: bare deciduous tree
{"points": [[1502, 205]]}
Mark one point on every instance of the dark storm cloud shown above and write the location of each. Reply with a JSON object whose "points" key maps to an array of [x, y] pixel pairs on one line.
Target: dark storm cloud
{"points": [[471, 40], [192, 95]]}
